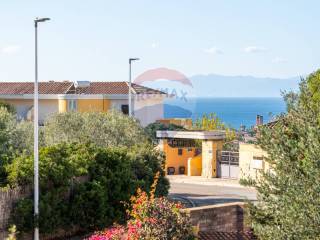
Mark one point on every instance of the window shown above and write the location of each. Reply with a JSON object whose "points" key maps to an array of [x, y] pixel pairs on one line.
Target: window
{"points": [[257, 162], [180, 151], [189, 149], [125, 109], [72, 105]]}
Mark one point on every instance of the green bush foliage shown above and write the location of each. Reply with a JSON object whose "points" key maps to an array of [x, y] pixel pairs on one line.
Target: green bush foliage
{"points": [[151, 217], [11, 109], [289, 194], [90, 163], [14, 140], [111, 176], [107, 129], [152, 128], [209, 122]]}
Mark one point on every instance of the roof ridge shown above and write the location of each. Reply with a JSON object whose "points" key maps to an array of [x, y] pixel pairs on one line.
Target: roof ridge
{"points": [[132, 88]]}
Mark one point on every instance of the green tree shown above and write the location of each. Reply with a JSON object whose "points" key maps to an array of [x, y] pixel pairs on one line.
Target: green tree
{"points": [[152, 128], [209, 122], [15, 138], [11, 109], [289, 194], [103, 129]]}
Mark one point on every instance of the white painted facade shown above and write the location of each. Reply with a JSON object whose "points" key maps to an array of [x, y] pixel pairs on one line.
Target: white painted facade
{"points": [[148, 109]]}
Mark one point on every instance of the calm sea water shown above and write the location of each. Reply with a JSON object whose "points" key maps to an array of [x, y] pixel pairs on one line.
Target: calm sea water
{"points": [[232, 111]]}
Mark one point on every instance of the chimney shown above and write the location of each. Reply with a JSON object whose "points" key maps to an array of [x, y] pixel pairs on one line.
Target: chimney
{"points": [[259, 120]]}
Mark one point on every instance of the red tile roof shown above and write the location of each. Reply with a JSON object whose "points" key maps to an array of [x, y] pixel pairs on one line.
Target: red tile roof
{"points": [[16, 88], [114, 88]]}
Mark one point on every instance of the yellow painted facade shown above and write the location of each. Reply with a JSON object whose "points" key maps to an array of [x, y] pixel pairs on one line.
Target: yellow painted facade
{"points": [[195, 165], [204, 164], [86, 105], [251, 161], [173, 159], [63, 105], [93, 105]]}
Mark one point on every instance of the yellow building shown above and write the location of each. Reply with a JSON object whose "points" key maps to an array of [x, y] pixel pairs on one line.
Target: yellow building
{"points": [[83, 96], [251, 161], [183, 156]]}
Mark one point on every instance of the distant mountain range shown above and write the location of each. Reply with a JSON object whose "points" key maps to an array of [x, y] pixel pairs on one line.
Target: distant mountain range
{"points": [[242, 86], [214, 85]]}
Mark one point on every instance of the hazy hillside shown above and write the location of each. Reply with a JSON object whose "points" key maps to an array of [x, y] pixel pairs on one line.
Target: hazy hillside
{"points": [[213, 85], [241, 86]]}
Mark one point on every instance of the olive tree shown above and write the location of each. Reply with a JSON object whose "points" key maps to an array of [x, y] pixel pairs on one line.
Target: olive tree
{"points": [[15, 138], [289, 194], [104, 129]]}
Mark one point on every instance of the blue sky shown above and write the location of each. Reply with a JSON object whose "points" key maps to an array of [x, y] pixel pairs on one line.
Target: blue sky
{"points": [[92, 40]]}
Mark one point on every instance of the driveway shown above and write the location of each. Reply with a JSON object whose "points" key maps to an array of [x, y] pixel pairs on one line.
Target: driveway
{"points": [[194, 191]]}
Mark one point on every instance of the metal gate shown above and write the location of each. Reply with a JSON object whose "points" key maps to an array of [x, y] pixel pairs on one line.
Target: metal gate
{"points": [[228, 164]]}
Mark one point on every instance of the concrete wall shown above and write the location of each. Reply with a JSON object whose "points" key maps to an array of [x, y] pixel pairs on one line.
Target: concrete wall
{"points": [[249, 166], [209, 157], [228, 217]]}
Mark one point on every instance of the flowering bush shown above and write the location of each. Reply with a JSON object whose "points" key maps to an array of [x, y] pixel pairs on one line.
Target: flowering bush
{"points": [[151, 219], [114, 233]]}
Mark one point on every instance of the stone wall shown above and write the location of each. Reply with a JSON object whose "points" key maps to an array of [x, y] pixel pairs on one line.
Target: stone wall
{"points": [[227, 217], [8, 197]]}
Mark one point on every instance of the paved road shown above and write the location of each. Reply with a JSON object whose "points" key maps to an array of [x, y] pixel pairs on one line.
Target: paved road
{"points": [[201, 195]]}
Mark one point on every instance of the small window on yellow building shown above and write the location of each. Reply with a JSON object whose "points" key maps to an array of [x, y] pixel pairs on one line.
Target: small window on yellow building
{"points": [[189, 149], [180, 150], [72, 105]]}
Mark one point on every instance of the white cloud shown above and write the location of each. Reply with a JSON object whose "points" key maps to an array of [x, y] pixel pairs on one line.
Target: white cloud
{"points": [[155, 45], [279, 60], [254, 49], [10, 49], [213, 50]]}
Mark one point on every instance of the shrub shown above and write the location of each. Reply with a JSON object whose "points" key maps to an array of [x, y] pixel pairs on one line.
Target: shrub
{"points": [[66, 201], [146, 162], [11, 109], [97, 203], [57, 166], [14, 140], [158, 218], [12, 233], [151, 218]]}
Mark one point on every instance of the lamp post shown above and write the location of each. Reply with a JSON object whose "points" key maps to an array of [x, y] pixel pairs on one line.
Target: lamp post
{"points": [[130, 85], [36, 126]]}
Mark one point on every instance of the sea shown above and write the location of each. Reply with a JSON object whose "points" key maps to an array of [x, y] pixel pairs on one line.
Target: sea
{"points": [[234, 112]]}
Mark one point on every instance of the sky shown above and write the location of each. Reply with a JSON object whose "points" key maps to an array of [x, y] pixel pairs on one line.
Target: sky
{"points": [[92, 40]]}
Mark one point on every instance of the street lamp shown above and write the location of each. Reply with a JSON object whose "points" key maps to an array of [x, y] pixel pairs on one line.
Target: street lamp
{"points": [[130, 85], [36, 132]]}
